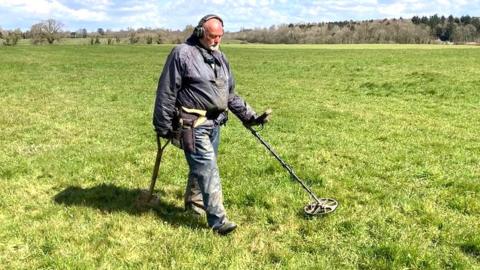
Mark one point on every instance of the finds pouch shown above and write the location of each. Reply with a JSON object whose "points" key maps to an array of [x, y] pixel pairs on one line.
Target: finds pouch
{"points": [[188, 139], [187, 135]]}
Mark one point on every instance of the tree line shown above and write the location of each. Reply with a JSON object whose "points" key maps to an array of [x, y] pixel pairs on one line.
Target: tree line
{"points": [[51, 31], [417, 30]]}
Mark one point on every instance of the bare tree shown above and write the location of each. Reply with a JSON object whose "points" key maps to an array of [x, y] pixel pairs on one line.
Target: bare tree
{"points": [[52, 30], [464, 33], [49, 30], [160, 38], [12, 37], [133, 37], [36, 34]]}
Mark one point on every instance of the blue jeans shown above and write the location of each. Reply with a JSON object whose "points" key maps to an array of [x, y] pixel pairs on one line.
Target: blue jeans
{"points": [[204, 171]]}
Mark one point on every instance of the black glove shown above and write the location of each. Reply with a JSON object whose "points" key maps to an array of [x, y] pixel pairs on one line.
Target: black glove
{"points": [[259, 120]]}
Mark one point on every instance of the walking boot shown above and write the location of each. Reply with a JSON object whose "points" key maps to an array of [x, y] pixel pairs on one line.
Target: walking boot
{"points": [[225, 228]]}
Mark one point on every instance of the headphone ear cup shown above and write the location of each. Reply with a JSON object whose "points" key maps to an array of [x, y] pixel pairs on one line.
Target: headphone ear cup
{"points": [[199, 31]]}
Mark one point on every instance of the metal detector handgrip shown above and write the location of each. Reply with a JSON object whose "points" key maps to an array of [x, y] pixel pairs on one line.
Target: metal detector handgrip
{"points": [[265, 115]]}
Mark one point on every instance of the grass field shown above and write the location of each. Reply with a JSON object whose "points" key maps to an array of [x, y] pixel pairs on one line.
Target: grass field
{"points": [[391, 132]]}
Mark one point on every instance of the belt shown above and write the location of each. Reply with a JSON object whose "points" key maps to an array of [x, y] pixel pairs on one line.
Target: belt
{"points": [[202, 115]]}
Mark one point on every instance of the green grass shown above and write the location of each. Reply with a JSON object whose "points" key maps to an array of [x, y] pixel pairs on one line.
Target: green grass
{"points": [[391, 132]]}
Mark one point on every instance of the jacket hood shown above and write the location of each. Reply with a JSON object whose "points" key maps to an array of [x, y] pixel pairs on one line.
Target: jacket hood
{"points": [[193, 40]]}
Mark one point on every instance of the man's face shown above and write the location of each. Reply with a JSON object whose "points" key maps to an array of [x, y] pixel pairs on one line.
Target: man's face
{"points": [[213, 34]]}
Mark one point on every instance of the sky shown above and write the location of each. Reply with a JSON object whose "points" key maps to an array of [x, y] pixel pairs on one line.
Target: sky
{"points": [[237, 14]]}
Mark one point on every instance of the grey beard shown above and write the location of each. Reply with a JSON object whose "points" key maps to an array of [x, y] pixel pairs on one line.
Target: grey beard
{"points": [[214, 47]]}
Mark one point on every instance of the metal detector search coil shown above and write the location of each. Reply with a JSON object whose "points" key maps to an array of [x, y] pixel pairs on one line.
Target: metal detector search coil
{"points": [[319, 206], [325, 206]]}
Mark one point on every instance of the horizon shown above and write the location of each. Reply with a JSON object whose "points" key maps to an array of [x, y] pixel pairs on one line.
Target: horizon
{"points": [[119, 15]]}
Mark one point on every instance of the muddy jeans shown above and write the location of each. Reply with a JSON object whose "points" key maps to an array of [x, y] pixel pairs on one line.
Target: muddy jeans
{"points": [[204, 179]]}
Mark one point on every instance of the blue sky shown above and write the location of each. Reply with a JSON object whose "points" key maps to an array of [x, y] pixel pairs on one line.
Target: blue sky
{"points": [[176, 14]]}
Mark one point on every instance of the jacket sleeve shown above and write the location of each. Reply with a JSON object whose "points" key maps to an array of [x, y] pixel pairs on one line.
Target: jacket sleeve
{"points": [[236, 104], [168, 86]]}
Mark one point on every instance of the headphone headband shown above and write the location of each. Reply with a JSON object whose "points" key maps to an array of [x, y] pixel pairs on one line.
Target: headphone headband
{"points": [[209, 17]]}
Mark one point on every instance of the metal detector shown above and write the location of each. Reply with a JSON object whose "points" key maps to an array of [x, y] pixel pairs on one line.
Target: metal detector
{"points": [[319, 206]]}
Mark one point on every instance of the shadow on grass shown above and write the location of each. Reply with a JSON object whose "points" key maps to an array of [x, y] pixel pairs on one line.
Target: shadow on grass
{"points": [[110, 198]]}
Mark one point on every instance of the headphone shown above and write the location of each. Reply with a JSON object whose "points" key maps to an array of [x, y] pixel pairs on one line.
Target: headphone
{"points": [[199, 31]]}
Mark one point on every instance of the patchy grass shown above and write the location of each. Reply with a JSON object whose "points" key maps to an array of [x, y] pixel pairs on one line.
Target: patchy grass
{"points": [[391, 132]]}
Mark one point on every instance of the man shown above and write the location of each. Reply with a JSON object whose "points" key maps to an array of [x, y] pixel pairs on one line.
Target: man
{"points": [[195, 90]]}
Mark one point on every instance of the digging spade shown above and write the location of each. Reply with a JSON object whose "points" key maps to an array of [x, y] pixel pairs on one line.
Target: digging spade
{"points": [[146, 198]]}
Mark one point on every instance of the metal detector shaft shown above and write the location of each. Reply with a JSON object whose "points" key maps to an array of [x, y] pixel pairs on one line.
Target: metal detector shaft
{"points": [[156, 168], [284, 164]]}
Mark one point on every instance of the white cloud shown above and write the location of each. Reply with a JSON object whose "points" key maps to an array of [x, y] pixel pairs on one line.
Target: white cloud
{"points": [[31, 7], [408, 8], [52, 9], [392, 10], [87, 15], [94, 4], [137, 14]]}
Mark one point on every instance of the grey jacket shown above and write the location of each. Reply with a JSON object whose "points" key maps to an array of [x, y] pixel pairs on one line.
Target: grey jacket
{"points": [[190, 80]]}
